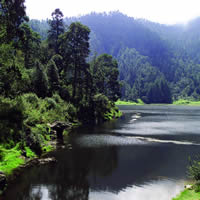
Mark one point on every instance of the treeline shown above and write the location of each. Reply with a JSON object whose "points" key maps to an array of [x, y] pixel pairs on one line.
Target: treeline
{"points": [[42, 81], [151, 56]]}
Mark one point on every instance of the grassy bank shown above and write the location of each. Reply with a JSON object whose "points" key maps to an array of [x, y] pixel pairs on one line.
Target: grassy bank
{"points": [[139, 102], [10, 159], [186, 102], [178, 102], [188, 195], [25, 131]]}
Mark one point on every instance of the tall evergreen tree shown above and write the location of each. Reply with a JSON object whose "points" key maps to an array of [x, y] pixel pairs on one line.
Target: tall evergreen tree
{"points": [[105, 75], [30, 44], [75, 48], [53, 76], [12, 15], [40, 80], [56, 29]]}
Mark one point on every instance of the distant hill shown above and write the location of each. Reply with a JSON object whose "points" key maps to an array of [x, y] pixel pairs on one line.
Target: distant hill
{"points": [[158, 62]]}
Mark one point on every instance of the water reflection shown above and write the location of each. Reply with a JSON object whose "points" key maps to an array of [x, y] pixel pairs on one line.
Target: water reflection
{"points": [[68, 179], [164, 190], [144, 155]]}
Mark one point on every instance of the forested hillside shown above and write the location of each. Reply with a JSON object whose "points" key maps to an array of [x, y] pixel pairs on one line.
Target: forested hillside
{"points": [[157, 63]]}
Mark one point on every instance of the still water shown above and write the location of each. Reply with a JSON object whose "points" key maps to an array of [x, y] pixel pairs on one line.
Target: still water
{"points": [[144, 155]]}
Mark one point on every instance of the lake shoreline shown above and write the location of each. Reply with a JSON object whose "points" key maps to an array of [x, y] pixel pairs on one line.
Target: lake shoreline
{"points": [[124, 157], [175, 103], [50, 146]]}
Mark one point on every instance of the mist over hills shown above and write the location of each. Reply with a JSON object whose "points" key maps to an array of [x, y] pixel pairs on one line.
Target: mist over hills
{"points": [[157, 62]]}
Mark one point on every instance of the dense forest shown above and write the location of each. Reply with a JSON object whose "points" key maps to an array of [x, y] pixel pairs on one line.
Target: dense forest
{"points": [[157, 63], [47, 77]]}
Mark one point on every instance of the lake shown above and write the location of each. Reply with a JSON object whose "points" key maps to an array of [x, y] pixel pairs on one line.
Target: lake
{"points": [[143, 155]]}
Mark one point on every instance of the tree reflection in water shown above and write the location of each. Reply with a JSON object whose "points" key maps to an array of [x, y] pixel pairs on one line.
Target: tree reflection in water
{"points": [[66, 180]]}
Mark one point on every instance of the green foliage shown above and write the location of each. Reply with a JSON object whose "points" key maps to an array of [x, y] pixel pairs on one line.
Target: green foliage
{"points": [[171, 50], [48, 110], [40, 80], [10, 159], [104, 70], [38, 113], [53, 76], [13, 78], [29, 44], [58, 59], [41, 83], [11, 119], [32, 99], [186, 102], [196, 186], [12, 14], [56, 29], [75, 46], [135, 43], [50, 103], [102, 105], [194, 170], [139, 102], [47, 148], [141, 79], [188, 195], [29, 153], [112, 114], [159, 92]]}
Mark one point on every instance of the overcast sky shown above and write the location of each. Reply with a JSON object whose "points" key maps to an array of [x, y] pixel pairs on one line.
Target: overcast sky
{"points": [[162, 11]]}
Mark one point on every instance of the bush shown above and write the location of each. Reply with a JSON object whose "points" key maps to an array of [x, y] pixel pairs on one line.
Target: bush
{"points": [[50, 103], [194, 170], [197, 186], [57, 98], [33, 141], [71, 111], [31, 98], [11, 119], [102, 105]]}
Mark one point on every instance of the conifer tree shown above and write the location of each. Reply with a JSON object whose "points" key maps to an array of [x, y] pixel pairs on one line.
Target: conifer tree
{"points": [[75, 48], [12, 15], [53, 76], [40, 80], [56, 29]]}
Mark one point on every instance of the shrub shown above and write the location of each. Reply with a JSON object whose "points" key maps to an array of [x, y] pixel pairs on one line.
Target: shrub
{"points": [[33, 141], [71, 110], [50, 103], [11, 119], [32, 99], [102, 105], [194, 170], [57, 98], [197, 186]]}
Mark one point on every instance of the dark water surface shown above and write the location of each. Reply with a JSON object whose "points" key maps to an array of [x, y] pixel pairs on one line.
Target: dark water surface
{"points": [[143, 155]]}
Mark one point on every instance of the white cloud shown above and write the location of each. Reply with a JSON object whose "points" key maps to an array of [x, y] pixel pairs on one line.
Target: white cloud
{"points": [[163, 11]]}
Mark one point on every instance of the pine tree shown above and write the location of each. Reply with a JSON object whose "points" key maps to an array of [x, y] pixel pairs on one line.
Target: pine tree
{"points": [[56, 29], [105, 76], [12, 15], [75, 49], [40, 81], [53, 76], [29, 44]]}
